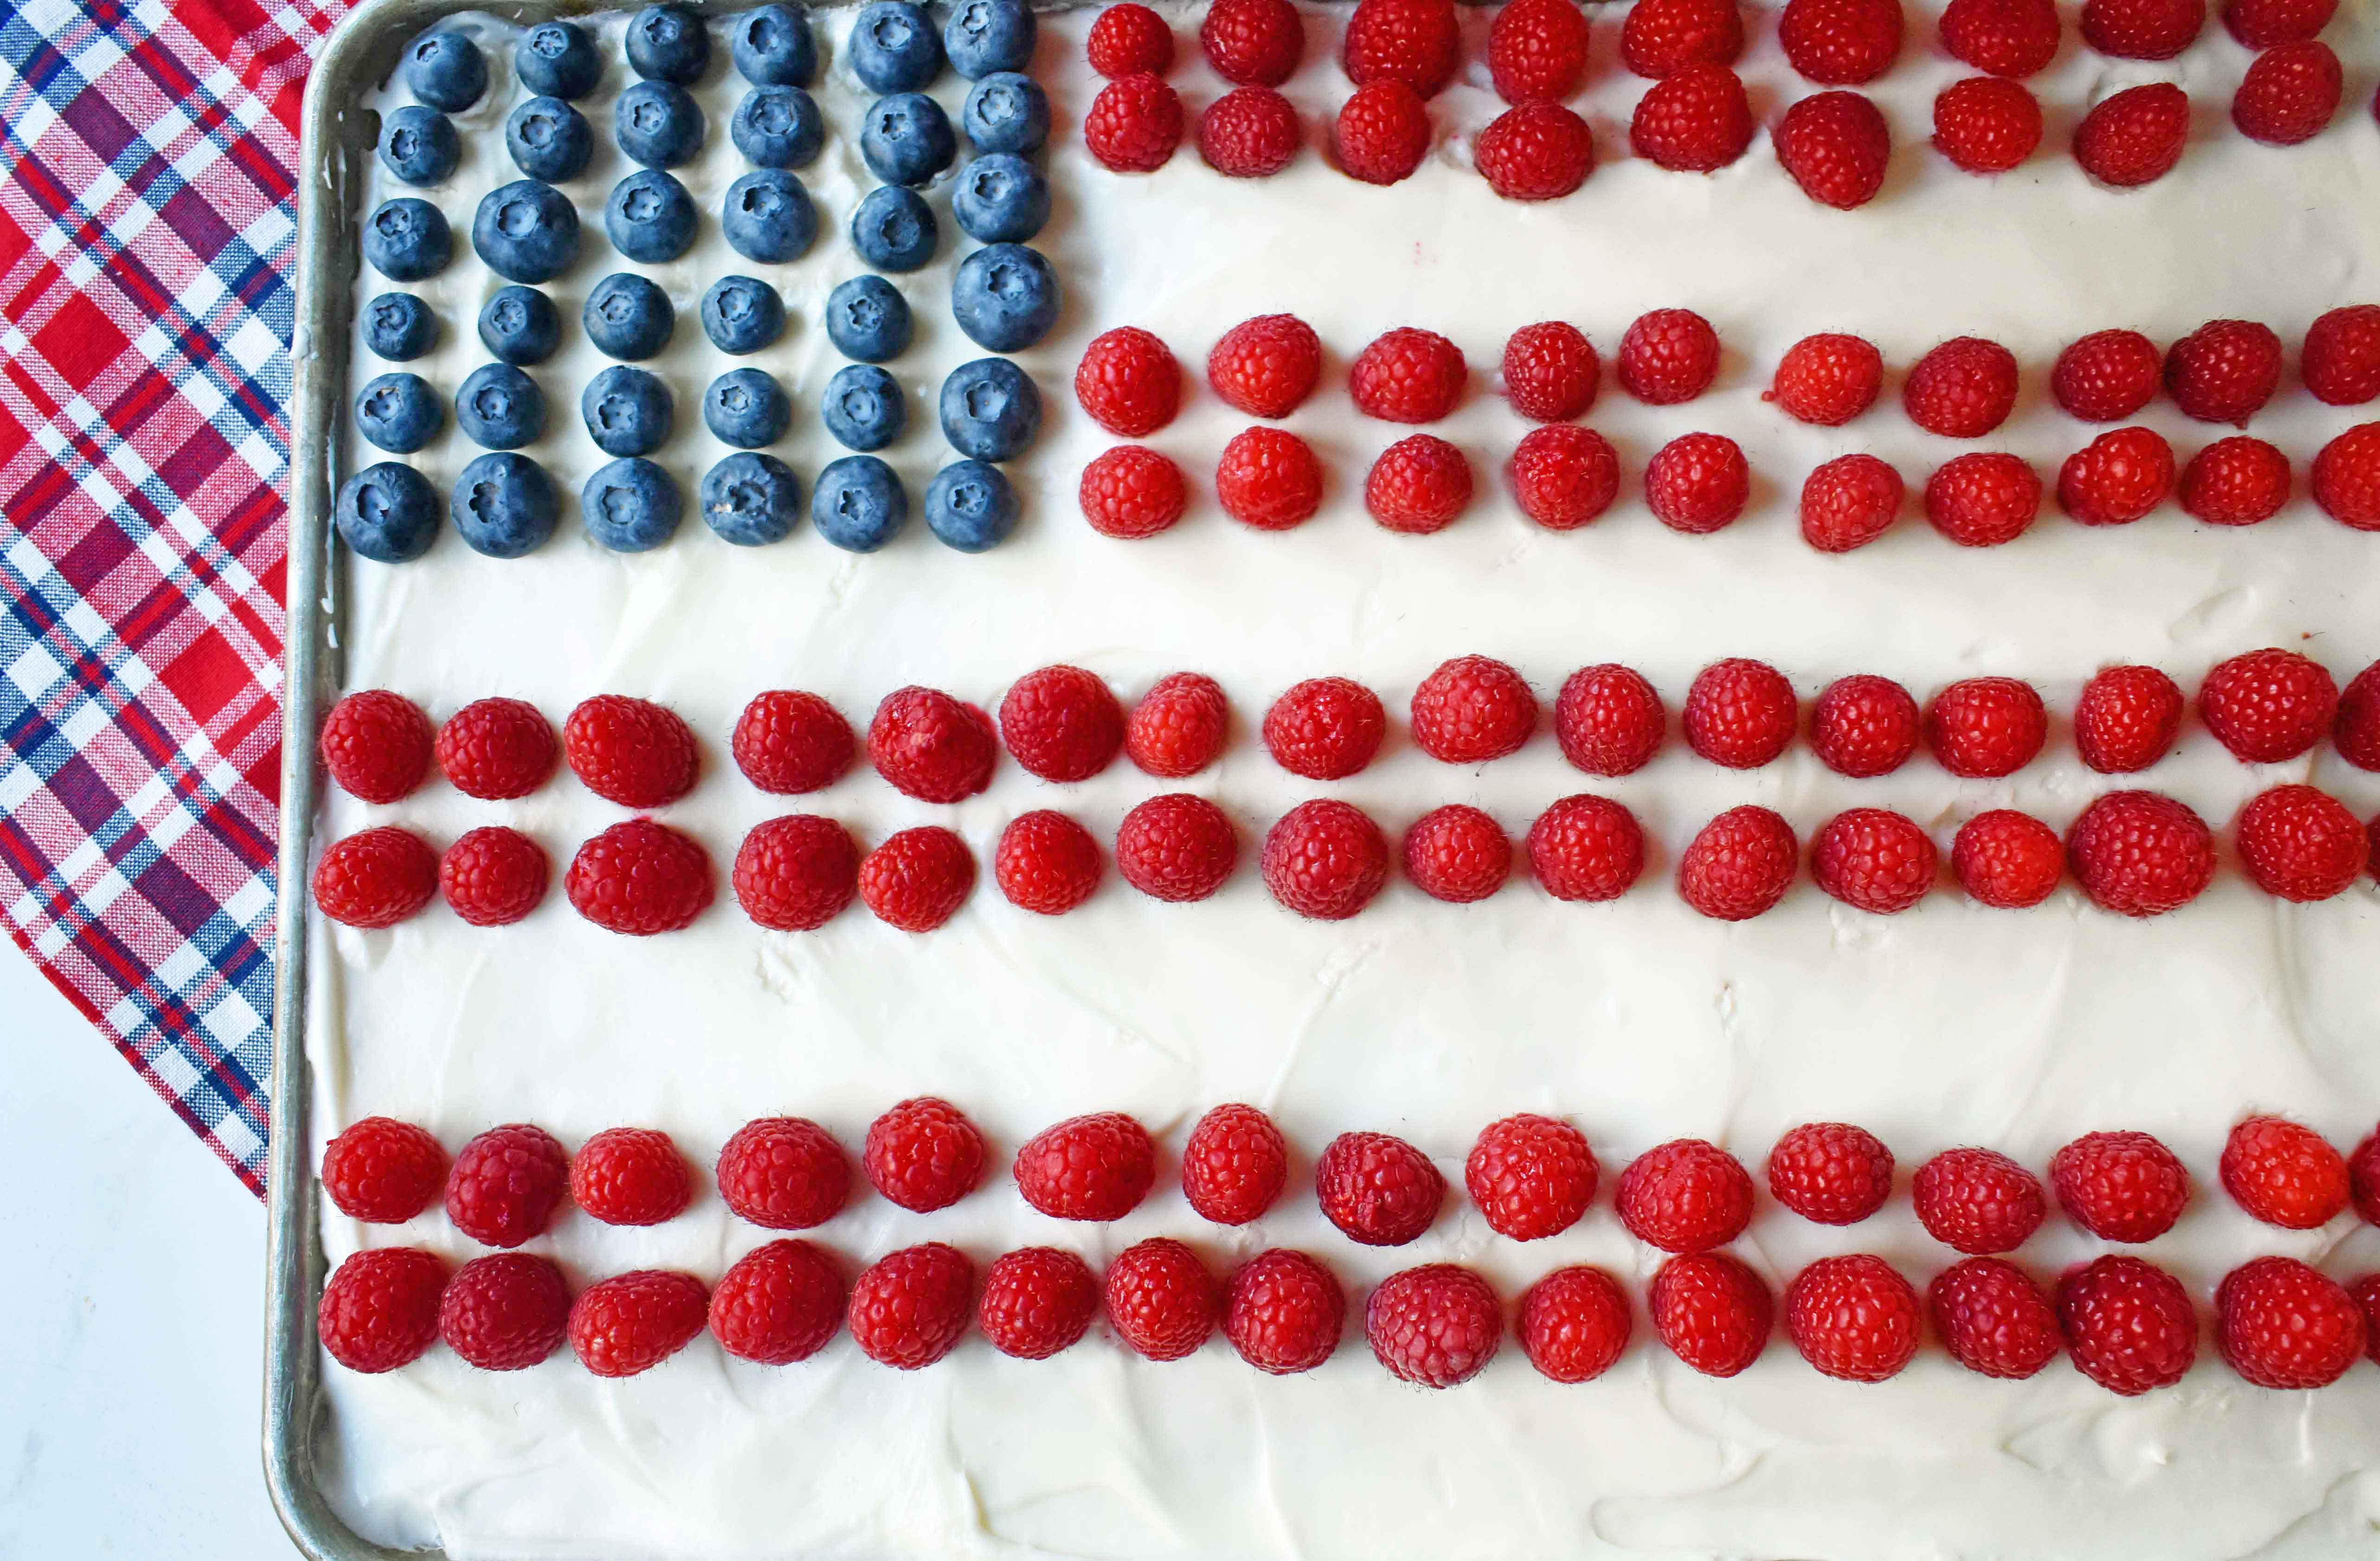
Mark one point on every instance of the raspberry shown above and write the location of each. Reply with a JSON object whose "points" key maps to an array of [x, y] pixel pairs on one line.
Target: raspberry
{"points": [[1179, 726], [1472, 709], [2130, 1324], [1873, 859], [1537, 49], [2268, 706], [2120, 1186], [1531, 1176], [923, 1154], [931, 746], [1551, 369], [1574, 1323], [1419, 485], [1697, 483], [1268, 478], [1037, 1301], [2010, 38], [2282, 1325], [376, 745], [783, 1173], [2135, 136], [1537, 152], [1695, 121], [1668, 356], [2260, 24], [2356, 732], [497, 749], [1686, 1196], [630, 1176], [2236, 482], [1740, 713], [2007, 860], [1841, 43], [1835, 145], [1176, 847], [1095, 1168], [2225, 371], [1963, 389], [2142, 29], [1864, 726], [1565, 476], [639, 877], [1457, 854], [1739, 865], [1418, 42], [2141, 855], [1854, 1318], [788, 742], [2107, 376], [2301, 845], [2363, 1180], [506, 1185], [1663, 37], [796, 873], [1132, 492], [1830, 1173], [631, 1323], [1252, 43], [1380, 1191], [1161, 1300], [1586, 848], [2340, 362], [2288, 95], [2117, 479], [1977, 1201], [1062, 724], [632, 752], [1324, 859], [1249, 133], [2127, 719], [506, 1312], [1712, 1311], [1987, 727], [917, 879], [383, 1171], [2284, 1173], [380, 1308], [375, 877], [1266, 366], [1234, 1165], [1437, 1325], [1045, 863], [1826, 380], [778, 1303], [2346, 479], [1133, 125], [1284, 1313], [1324, 729], [909, 1308], [1128, 381], [1127, 40], [1381, 134], [1849, 503], [1609, 721], [1986, 125], [1993, 1318], [1983, 499], [2366, 1293], [1407, 376]]}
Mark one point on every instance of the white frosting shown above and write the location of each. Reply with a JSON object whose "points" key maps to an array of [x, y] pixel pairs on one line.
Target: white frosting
{"points": [[1948, 1025]]}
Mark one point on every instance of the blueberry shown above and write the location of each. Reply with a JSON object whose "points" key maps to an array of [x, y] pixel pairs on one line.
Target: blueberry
{"points": [[657, 123], [868, 319], [983, 36], [650, 217], [1004, 298], [520, 325], [751, 500], [777, 127], [863, 407], [772, 47], [548, 139], [500, 408], [1006, 112], [630, 506], [858, 504], [768, 217], [908, 139], [893, 229], [387, 513], [628, 317], [399, 412], [990, 409], [406, 239], [504, 505], [418, 145], [668, 44], [970, 507], [558, 59], [742, 314], [399, 327], [747, 408], [446, 71], [627, 411], [1000, 198], [894, 47], [526, 231]]}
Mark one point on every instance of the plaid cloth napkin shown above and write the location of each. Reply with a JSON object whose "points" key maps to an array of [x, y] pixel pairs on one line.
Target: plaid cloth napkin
{"points": [[147, 238]]}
